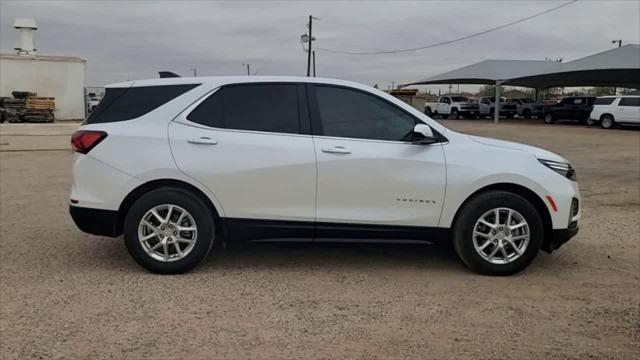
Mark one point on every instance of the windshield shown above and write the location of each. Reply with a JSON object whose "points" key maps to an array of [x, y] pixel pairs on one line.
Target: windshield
{"points": [[459, 98], [527, 100]]}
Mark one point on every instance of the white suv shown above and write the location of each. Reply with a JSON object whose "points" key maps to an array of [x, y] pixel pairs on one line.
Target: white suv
{"points": [[612, 110], [179, 164]]}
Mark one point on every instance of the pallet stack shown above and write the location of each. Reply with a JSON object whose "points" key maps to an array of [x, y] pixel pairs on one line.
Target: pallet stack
{"points": [[12, 109], [25, 106], [39, 109]]}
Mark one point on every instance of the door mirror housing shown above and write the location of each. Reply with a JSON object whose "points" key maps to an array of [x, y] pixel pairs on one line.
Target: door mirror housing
{"points": [[422, 134]]}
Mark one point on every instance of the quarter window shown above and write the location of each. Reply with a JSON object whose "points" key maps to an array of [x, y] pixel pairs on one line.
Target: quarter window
{"points": [[256, 107], [121, 104], [604, 101], [630, 101], [354, 114]]}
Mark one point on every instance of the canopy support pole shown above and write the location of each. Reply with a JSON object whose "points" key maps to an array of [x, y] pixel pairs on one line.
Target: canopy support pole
{"points": [[496, 107]]}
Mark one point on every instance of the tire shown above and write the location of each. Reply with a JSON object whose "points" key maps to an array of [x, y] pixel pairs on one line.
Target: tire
{"points": [[180, 199], [455, 114], [427, 111], [548, 118], [526, 113], [590, 122], [467, 222], [607, 121]]}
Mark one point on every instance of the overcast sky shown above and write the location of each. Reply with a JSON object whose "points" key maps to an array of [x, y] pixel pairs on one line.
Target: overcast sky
{"points": [[134, 39]]}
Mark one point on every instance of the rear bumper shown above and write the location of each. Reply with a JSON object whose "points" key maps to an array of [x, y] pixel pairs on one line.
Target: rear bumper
{"points": [[96, 221], [559, 237]]}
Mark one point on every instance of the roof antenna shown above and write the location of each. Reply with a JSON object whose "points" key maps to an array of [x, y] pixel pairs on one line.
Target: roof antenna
{"points": [[168, 74]]}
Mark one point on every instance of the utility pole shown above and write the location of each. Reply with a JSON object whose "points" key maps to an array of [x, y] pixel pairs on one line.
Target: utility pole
{"points": [[195, 72], [310, 44], [248, 70], [314, 63]]}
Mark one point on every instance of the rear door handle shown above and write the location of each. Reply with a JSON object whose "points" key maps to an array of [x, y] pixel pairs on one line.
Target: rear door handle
{"points": [[202, 140], [336, 150]]}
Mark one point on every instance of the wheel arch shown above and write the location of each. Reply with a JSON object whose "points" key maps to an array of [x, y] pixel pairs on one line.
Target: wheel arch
{"points": [[145, 188], [607, 114], [526, 193]]}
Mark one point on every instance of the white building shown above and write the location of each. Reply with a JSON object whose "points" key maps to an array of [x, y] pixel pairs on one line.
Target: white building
{"points": [[61, 77]]}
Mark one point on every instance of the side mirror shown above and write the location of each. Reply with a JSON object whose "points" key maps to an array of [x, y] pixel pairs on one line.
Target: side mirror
{"points": [[422, 134]]}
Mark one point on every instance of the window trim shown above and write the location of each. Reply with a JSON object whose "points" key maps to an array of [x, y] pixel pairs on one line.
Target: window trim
{"points": [[304, 126], [316, 122]]}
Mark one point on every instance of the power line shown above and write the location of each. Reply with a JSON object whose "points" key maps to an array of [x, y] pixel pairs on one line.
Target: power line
{"points": [[448, 41]]}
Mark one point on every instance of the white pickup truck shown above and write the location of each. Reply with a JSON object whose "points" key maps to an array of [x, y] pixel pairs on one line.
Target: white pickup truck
{"points": [[452, 106]]}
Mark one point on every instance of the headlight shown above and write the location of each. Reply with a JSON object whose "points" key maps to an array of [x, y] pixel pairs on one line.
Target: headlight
{"points": [[564, 169]]}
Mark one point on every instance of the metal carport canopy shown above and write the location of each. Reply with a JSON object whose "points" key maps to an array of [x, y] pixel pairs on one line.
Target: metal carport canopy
{"points": [[616, 67]]}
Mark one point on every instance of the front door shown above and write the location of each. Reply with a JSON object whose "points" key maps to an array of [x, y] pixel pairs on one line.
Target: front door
{"points": [[368, 170]]}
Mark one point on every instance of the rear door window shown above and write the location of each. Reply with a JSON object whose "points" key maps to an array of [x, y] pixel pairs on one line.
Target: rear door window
{"points": [[630, 101], [256, 107], [120, 104]]}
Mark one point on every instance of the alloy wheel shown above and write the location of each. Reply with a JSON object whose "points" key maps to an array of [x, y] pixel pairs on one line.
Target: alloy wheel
{"points": [[167, 233], [501, 235]]}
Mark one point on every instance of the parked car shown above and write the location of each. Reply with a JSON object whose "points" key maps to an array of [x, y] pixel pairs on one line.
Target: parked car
{"points": [[574, 108], [452, 106], [612, 110], [526, 107], [179, 164], [487, 107]]}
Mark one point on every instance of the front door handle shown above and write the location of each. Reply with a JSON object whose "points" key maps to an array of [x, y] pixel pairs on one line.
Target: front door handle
{"points": [[202, 140], [336, 150]]}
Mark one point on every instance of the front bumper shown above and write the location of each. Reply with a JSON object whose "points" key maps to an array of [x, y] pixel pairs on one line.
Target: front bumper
{"points": [[96, 221], [560, 236]]}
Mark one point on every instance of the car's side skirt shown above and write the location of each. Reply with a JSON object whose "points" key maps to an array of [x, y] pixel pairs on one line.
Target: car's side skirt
{"points": [[243, 230]]}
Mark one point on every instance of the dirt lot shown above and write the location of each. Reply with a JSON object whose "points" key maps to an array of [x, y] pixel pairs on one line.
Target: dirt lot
{"points": [[65, 294]]}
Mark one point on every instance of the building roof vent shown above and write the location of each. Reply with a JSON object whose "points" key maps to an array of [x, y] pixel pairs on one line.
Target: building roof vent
{"points": [[25, 27]]}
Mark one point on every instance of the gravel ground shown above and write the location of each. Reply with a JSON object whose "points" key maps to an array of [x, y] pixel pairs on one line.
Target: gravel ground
{"points": [[65, 294]]}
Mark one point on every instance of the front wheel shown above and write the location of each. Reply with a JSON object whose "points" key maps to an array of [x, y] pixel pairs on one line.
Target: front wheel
{"points": [[498, 233], [548, 118], [526, 113], [454, 114], [590, 122], [169, 231]]}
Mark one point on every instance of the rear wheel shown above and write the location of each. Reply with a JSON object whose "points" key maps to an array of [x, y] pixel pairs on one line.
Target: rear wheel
{"points": [[169, 230], [526, 113], [591, 122], [548, 118], [607, 121], [498, 233], [427, 111]]}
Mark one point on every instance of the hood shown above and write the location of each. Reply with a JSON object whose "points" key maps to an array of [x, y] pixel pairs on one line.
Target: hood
{"points": [[535, 151]]}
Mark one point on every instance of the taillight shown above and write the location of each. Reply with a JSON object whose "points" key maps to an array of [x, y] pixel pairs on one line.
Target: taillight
{"points": [[83, 141]]}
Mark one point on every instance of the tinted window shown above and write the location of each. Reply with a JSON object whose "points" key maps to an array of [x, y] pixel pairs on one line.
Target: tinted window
{"points": [[459, 99], [578, 101], [630, 101], [121, 104], [209, 112], [257, 107], [604, 101], [354, 114], [262, 107]]}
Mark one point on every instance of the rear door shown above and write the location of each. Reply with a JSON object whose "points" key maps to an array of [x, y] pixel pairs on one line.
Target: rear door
{"points": [[368, 170], [629, 109], [250, 144]]}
